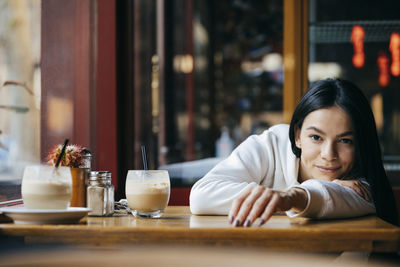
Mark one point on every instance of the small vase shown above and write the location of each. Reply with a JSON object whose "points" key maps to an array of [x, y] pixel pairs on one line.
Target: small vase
{"points": [[79, 181]]}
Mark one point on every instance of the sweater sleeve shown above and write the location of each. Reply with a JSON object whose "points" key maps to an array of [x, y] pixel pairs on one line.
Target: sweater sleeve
{"points": [[245, 167], [331, 200]]}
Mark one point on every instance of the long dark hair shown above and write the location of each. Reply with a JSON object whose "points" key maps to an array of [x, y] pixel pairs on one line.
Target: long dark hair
{"points": [[368, 160]]}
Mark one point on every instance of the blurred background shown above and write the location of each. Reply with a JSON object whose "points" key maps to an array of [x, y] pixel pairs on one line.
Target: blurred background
{"points": [[188, 79]]}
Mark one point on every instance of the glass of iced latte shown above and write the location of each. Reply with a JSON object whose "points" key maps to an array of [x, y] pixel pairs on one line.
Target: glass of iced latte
{"points": [[147, 192], [45, 187]]}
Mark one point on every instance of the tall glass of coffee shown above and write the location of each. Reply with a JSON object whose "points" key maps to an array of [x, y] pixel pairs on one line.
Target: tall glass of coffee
{"points": [[45, 187], [147, 192]]}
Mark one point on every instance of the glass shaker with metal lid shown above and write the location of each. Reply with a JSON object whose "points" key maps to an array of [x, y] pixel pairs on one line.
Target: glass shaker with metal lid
{"points": [[100, 194], [87, 159]]}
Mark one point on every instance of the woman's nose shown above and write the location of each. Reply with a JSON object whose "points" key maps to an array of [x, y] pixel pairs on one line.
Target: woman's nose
{"points": [[328, 151]]}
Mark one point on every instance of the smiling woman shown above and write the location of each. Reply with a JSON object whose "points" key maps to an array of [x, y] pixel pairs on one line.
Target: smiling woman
{"points": [[326, 143], [327, 164]]}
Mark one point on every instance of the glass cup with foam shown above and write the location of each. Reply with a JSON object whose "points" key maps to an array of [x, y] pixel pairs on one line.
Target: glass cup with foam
{"points": [[45, 187], [147, 192]]}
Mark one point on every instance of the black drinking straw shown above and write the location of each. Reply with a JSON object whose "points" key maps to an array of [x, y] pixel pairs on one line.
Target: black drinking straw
{"points": [[144, 158], [62, 153]]}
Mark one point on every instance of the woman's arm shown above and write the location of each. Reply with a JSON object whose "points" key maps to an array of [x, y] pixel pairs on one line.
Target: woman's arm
{"points": [[261, 202], [244, 168], [313, 198], [331, 200]]}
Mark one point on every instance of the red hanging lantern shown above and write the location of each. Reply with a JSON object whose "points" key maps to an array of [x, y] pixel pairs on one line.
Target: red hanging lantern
{"points": [[394, 48], [383, 64], [357, 39]]}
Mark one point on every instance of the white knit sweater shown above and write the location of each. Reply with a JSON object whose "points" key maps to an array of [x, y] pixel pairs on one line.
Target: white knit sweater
{"points": [[267, 159]]}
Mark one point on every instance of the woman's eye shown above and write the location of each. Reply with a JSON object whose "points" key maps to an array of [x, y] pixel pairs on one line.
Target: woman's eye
{"points": [[315, 137], [346, 141]]}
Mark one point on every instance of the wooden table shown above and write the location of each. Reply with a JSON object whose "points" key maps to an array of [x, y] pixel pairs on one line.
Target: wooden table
{"points": [[178, 226]]}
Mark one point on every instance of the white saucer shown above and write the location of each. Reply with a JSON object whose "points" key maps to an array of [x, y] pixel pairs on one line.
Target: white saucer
{"points": [[21, 215]]}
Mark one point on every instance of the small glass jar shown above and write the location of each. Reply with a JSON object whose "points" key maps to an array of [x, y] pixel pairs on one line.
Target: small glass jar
{"points": [[87, 159], [100, 194]]}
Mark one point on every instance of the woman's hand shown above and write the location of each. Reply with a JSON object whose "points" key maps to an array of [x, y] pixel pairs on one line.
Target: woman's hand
{"points": [[263, 202], [358, 186]]}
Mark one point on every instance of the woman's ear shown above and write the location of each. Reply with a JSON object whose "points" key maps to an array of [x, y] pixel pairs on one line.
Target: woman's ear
{"points": [[297, 131]]}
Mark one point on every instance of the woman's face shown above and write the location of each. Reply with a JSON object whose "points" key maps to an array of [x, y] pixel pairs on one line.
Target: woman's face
{"points": [[326, 140]]}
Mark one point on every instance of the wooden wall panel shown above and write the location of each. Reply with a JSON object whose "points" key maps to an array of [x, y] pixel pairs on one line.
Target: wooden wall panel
{"points": [[65, 73], [295, 54], [78, 67], [106, 88]]}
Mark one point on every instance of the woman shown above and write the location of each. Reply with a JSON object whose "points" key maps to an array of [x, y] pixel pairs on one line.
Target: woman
{"points": [[327, 164]]}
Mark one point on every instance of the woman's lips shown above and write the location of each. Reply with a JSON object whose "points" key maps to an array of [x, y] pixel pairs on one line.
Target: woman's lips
{"points": [[327, 169]]}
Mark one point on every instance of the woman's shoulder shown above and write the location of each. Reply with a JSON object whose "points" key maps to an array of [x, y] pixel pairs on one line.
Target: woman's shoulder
{"points": [[278, 131], [278, 134]]}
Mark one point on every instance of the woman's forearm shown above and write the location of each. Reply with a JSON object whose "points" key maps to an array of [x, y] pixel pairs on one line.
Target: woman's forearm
{"points": [[330, 200]]}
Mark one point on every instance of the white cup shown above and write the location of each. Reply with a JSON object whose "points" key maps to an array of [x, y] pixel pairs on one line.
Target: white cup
{"points": [[147, 192], [44, 187]]}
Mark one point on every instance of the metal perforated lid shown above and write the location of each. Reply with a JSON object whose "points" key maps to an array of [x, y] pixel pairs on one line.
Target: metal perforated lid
{"points": [[96, 175]]}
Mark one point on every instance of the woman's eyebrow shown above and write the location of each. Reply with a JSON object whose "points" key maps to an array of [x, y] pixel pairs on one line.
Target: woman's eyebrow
{"points": [[315, 129], [346, 134], [322, 132]]}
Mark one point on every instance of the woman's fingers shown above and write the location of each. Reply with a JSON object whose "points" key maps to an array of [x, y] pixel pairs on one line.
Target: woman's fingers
{"points": [[359, 187], [247, 205], [259, 202], [258, 207], [236, 204], [270, 209], [366, 194], [369, 194]]}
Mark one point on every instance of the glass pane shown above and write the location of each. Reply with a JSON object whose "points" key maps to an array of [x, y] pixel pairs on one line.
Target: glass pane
{"points": [[360, 41], [19, 92], [227, 74]]}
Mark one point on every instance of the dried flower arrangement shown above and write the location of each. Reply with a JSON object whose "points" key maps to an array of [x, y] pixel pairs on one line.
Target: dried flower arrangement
{"points": [[73, 157]]}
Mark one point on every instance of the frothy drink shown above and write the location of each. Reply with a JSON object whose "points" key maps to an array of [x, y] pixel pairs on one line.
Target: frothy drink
{"points": [[147, 197], [44, 188], [43, 195], [147, 192]]}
